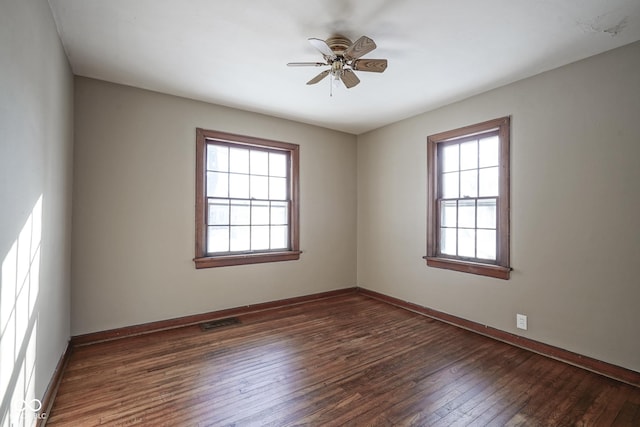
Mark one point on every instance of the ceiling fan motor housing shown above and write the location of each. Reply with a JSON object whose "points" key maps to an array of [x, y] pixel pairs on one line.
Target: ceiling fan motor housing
{"points": [[338, 44]]}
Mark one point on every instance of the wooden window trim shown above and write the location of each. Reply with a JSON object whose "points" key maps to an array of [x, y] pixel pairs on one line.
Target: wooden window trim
{"points": [[202, 259], [501, 269]]}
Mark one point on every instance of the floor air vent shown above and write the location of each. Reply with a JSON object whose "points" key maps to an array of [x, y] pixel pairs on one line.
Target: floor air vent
{"points": [[220, 323]]}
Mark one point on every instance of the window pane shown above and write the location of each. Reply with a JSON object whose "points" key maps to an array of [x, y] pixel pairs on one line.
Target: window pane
{"points": [[240, 212], [259, 213], [489, 182], [238, 186], [217, 239], [487, 213], [259, 162], [279, 213], [277, 164], [467, 213], [240, 238], [466, 242], [259, 238], [277, 188], [448, 213], [469, 155], [489, 151], [217, 184], [239, 160], [218, 212], [279, 237], [217, 158], [450, 156], [450, 185], [487, 244], [469, 183], [448, 241], [259, 187]]}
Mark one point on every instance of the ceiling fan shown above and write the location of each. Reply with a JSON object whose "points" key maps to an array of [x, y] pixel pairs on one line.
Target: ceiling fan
{"points": [[343, 58]]}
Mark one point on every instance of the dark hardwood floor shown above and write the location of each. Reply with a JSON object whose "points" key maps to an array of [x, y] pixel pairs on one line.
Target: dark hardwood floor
{"points": [[348, 360]]}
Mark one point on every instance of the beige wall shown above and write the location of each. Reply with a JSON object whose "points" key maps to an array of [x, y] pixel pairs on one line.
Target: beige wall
{"points": [[575, 237], [133, 212], [36, 125]]}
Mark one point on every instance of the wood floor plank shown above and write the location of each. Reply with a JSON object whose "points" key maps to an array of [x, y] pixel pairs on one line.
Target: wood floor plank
{"points": [[348, 360], [453, 382]]}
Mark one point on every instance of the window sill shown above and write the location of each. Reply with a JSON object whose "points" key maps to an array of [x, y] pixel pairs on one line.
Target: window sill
{"points": [[489, 270], [228, 260]]}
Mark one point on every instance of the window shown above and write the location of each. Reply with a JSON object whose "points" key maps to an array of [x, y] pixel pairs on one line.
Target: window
{"points": [[246, 200], [468, 200]]}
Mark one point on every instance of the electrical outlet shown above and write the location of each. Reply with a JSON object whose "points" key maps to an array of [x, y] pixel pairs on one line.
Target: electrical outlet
{"points": [[521, 321]]}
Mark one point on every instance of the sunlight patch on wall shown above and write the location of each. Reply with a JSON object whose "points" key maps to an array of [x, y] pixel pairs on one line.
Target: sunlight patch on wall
{"points": [[19, 289]]}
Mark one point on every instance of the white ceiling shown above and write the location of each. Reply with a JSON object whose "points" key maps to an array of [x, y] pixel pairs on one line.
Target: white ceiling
{"points": [[234, 52]]}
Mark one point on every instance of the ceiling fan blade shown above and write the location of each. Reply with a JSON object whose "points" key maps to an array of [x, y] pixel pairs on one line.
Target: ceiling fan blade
{"points": [[307, 64], [361, 47], [323, 47], [319, 77], [374, 65], [349, 79]]}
